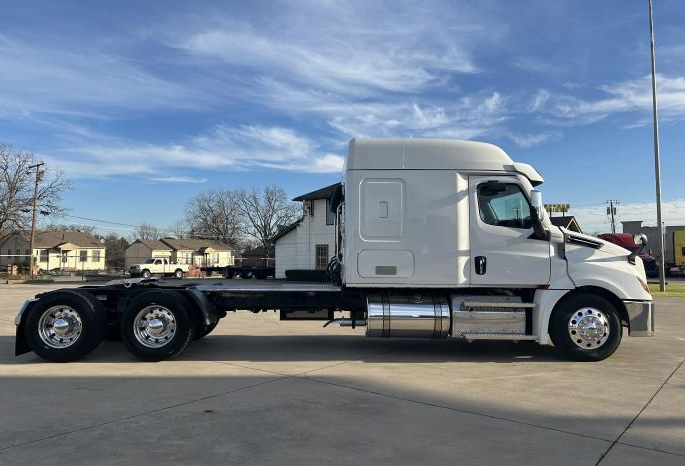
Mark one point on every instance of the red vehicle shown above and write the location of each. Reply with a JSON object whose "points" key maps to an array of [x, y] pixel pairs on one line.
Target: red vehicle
{"points": [[625, 240]]}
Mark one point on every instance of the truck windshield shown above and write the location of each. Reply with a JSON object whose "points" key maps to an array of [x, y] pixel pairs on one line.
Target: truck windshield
{"points": [[149, 261]]}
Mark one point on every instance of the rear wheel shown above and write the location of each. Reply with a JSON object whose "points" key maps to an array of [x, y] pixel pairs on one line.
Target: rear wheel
{"points": [[65, 326], [586, 327], [178, 273], [157, 326]]}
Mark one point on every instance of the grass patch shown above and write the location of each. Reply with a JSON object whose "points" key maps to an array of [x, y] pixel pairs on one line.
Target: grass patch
{"points": [[672, 290]]}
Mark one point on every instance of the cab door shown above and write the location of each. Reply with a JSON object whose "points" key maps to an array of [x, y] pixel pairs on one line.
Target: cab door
{"points": [[504, 249]]}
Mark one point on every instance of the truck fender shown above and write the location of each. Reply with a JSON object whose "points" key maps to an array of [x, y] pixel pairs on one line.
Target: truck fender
{"points": [[208, 313], [21, 345], [544, 301]]}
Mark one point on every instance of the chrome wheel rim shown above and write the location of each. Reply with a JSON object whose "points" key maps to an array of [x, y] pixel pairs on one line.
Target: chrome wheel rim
{"points": [[59, 327], [588, 328], [154, 326]]}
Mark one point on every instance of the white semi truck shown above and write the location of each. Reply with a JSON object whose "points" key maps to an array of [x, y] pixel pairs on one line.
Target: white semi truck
{"points": [[435, 239]]}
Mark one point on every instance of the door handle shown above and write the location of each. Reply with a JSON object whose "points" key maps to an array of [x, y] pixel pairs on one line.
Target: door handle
{"points": [[481, 265]]}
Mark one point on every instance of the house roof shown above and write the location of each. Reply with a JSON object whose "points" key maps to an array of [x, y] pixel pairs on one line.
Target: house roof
{"points": [[52, 239], [568, 222], [154, 244], [323, 193], [284, 231], [195, 244], [259, 251]]}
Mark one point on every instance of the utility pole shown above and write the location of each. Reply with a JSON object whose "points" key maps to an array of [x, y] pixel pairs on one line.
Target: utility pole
{"points": [[33, 217], [611, 212], [657, 163]]}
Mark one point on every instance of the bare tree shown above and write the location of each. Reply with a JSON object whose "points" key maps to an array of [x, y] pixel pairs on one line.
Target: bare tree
{"points": [[116, 250], [215, 214], [69, 227], [147, 231], [178, 230], [263, 212], [16, 189]]}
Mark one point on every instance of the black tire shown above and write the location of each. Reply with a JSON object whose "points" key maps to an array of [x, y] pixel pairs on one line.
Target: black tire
{"points": [[202, 331], [93, 323], [145, 273], [178, 273], [176, 306], [576, 347]]}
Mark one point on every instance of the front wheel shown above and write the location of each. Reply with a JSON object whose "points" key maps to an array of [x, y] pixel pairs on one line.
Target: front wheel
{"points": [[178, 273], [586, 327], [156, 325], [146, 274]]}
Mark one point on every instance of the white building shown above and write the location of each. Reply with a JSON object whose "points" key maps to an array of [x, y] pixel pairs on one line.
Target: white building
{"points": [[309, 243]]}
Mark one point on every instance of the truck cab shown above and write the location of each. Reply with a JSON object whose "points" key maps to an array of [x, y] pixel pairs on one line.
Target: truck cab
{"points": [[461, 219]]}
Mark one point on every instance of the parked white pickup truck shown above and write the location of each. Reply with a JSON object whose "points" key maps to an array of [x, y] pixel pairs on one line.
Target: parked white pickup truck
{"points": [[158, 266]]}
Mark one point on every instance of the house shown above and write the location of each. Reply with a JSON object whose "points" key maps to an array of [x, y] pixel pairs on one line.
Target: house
{"points": [[309, 243], [66, 250], [183, 251], [570, 223], [200, 252], [142, 249]]}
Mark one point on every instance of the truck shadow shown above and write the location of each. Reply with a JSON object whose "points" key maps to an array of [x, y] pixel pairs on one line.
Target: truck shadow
{"points": [[322, 348]]}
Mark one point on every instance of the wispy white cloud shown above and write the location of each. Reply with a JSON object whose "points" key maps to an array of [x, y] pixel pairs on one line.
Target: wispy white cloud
{"points": [[178, 179], [532, 140], [87, 82], [630, 98], [223, 148]]}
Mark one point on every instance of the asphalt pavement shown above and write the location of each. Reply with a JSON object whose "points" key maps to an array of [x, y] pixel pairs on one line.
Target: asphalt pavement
{"points": [[261, 391]]}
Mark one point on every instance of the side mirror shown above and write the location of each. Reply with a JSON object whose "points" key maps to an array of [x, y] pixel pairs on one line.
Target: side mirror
{"points": [[536, 201], [641, 240], [536, 214]]}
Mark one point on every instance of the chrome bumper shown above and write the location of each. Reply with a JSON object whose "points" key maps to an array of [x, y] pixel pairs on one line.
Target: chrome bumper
{"points": [[640, 318]]}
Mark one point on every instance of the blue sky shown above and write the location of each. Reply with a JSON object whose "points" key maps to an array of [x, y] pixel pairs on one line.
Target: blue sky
{"points": [[146, 104]]}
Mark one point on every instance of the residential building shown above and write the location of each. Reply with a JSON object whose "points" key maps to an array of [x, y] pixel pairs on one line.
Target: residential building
{"points": [[199, 252], [142, 249], [309, 243], [64, 250]]}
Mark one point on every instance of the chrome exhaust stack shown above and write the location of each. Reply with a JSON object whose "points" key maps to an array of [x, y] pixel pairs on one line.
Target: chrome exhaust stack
{"points": [[417, 316]]}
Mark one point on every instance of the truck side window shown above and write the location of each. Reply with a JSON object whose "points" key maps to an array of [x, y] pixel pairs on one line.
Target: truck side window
{"points": [[503, 204]]}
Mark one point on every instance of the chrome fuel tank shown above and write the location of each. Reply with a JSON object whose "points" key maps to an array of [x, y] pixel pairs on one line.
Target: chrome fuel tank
{"points": [[416, 316]]}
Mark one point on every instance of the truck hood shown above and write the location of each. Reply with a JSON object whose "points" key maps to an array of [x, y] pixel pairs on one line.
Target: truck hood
{"points": [[594, 242], [598, 263]]}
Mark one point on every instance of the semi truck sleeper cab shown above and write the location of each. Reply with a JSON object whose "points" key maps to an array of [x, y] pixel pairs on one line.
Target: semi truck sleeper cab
{"points": [[435, 239]]}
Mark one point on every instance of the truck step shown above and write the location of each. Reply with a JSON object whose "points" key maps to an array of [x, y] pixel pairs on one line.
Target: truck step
{"points": [[493, 304], [498, 336]]}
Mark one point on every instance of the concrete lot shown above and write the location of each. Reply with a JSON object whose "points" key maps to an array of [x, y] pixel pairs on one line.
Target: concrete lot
{"points": [[261, 391]]}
